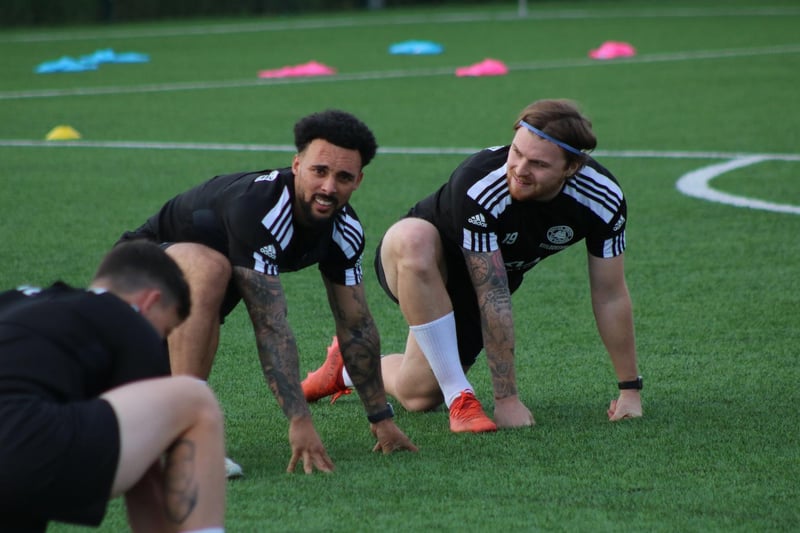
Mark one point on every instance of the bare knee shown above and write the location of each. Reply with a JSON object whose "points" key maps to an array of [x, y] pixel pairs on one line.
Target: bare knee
{"points": [[416, 396], [419, 404], [207, 271], [412, 247], [203, 403], [209, 412]]}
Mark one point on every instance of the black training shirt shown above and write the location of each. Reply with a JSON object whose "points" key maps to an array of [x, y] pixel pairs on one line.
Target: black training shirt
{"points": [[95, 341], [248, 217], [474, 211]]}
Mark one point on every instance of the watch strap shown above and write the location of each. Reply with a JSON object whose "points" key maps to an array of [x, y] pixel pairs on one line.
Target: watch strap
{"points": [[388, 412], [634, 384]]}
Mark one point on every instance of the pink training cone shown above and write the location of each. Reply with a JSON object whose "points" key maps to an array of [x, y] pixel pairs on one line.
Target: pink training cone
{"points": [[612, 50], [312, 68], [487, 67]]}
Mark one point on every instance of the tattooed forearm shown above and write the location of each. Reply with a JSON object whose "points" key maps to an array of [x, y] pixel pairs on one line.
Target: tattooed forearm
{"points": [[180, 487], [359, 343], [363, 363], [490, 280], [277, 348]]}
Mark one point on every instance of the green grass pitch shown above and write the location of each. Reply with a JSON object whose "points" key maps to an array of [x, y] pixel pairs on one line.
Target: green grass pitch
{"points": [[715, 284]]}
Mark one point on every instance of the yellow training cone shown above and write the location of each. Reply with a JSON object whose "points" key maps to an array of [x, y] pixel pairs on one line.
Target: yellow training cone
{"points": [[63, 133]]}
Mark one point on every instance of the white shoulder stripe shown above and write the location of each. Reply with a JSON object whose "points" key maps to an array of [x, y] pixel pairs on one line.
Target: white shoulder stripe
{"points": [[348, 234], [596, 191], [278, 220], [491, 191]]}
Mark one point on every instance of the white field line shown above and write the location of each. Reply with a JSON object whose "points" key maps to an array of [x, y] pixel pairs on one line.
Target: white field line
{"points": [[394, 150], [695, 183], [394, 74], [378, 19]]}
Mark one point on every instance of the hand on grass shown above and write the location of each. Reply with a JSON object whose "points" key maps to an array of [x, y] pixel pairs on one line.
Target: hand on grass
{"points": [[307, 447], [628, 405], [390, 438], [511, 413]]}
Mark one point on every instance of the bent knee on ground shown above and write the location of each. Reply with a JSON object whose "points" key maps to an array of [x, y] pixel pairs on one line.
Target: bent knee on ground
{"points": [[418, 405], [414, 397]]}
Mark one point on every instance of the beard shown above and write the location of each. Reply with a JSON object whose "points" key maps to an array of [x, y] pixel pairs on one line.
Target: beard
{"points": [[311, 220]]}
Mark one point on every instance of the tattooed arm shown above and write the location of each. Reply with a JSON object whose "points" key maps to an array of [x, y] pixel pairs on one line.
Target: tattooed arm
{"points": [[277, 351], [489, 278], [359, 343], [276, 344]]}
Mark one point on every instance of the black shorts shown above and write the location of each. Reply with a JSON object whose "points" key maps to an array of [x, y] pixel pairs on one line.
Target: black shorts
{"points": [[58, 461], [462, 296]]}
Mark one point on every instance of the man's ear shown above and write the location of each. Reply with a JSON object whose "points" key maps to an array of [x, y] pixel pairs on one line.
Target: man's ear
{"points": [[295, 163], [148, 299], [573, 168]]}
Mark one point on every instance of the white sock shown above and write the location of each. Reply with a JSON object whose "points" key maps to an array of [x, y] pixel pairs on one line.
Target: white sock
{"points": [[346, 377], [207, 530], [439, 343]]}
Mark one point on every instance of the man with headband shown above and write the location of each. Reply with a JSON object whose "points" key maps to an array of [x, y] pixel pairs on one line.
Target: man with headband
{"points": [[453, 262]]}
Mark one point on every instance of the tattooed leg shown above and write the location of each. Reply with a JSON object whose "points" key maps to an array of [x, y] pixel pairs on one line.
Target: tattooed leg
{"points": [[180, 487]]}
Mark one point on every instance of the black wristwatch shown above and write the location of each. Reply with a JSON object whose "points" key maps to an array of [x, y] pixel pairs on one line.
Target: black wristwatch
{"points": [[635, 384], [388, 412]]}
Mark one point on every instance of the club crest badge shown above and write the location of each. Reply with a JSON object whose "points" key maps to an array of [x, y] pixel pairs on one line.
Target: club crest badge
{"points": [[560, 234]]}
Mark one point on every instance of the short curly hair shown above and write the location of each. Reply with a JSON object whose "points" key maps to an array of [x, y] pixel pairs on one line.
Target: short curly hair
{"points": [[337, 127]]}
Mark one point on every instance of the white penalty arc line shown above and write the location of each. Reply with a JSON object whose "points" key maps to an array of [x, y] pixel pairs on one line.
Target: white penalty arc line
{"points": [[696, 184]]}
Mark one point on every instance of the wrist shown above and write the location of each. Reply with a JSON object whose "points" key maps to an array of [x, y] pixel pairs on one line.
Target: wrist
{"points": [[300, 419], [634, 384], [384, 414], [506, 399]]}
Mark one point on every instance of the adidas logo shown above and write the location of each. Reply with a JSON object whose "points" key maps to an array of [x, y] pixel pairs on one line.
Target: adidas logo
{"points": [[269, 251], [477, 220]]}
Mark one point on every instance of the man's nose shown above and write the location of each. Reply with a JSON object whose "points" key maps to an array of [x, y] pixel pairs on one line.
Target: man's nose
{"points": [[523, 169], [329, 184]]}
